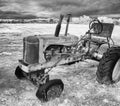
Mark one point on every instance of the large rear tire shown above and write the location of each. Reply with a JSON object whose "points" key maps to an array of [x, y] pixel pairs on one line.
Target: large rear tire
{"points": [[50, 90], [108, 71]]}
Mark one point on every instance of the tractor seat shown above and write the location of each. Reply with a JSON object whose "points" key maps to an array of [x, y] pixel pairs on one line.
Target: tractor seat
{"points": [[105, 36]]}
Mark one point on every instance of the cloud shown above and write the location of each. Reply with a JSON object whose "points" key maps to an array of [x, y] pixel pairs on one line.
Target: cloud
{"points": [[88, 7], [81, 7], [56, 7], [13, 15]]}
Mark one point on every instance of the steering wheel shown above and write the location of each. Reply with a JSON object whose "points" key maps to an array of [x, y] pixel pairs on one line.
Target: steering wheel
{"points": [[95, 27]]}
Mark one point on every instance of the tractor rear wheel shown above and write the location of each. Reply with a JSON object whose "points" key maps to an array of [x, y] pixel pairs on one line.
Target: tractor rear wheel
{"points": [[50, 90], [108, 71]]}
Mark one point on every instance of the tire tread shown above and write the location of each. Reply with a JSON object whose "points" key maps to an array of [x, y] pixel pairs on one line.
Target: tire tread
{"points": [[106, 65]]}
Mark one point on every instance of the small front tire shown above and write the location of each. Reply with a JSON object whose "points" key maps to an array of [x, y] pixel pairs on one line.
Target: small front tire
{"points": [[19, 73], [50, 90]]}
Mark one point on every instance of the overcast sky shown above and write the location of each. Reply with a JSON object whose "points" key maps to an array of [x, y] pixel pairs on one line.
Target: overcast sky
{"points": [[56, 7]]}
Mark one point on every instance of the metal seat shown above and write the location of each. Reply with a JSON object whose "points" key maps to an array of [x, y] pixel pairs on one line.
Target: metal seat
{"points": [[105, 36]]}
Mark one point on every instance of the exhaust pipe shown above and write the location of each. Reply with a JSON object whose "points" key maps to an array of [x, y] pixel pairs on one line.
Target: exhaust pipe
{"points": [[58, 27], [68, 20]]}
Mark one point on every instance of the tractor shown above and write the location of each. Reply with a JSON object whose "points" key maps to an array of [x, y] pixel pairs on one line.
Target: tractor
{"points": [[43, 52], [108, 71]]}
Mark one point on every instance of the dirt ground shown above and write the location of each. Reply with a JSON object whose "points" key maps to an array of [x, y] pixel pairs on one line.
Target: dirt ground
{"points": [[81, 87]]}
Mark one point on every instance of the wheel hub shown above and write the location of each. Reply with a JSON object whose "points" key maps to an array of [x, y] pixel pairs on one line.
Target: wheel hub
{"points": [[54, 92], [116, 72]]}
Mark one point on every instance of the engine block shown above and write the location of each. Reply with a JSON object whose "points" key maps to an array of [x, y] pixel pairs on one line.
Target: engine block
{"points": [[39, 49]]}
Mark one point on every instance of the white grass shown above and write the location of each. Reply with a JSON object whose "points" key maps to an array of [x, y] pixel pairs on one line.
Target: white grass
{"points": [[81, 87], [33, 29]]}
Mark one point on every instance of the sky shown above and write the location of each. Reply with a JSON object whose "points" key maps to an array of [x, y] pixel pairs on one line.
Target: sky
{"points": [[9, 8]]}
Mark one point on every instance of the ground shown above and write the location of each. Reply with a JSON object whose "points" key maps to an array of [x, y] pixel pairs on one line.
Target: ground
{"points": [[81, 87]]}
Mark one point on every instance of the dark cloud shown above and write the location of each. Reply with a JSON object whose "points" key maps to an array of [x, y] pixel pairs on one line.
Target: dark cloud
{"points": [[15, 15], [2, 3], [59, 4], [56, 7], [88, 7]]}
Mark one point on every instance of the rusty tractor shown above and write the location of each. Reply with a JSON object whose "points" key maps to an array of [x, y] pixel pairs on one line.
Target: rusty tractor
{"points": [[43, 52]]}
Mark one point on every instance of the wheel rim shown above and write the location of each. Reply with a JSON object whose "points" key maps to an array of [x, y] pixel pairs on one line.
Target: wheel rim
{"points": [[116, 72], [102, 49], [53, 92]]}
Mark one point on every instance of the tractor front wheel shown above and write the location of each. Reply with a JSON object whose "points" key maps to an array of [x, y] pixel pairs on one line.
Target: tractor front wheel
{"points": [[108, 71], [19, 73], [50, 90]]}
